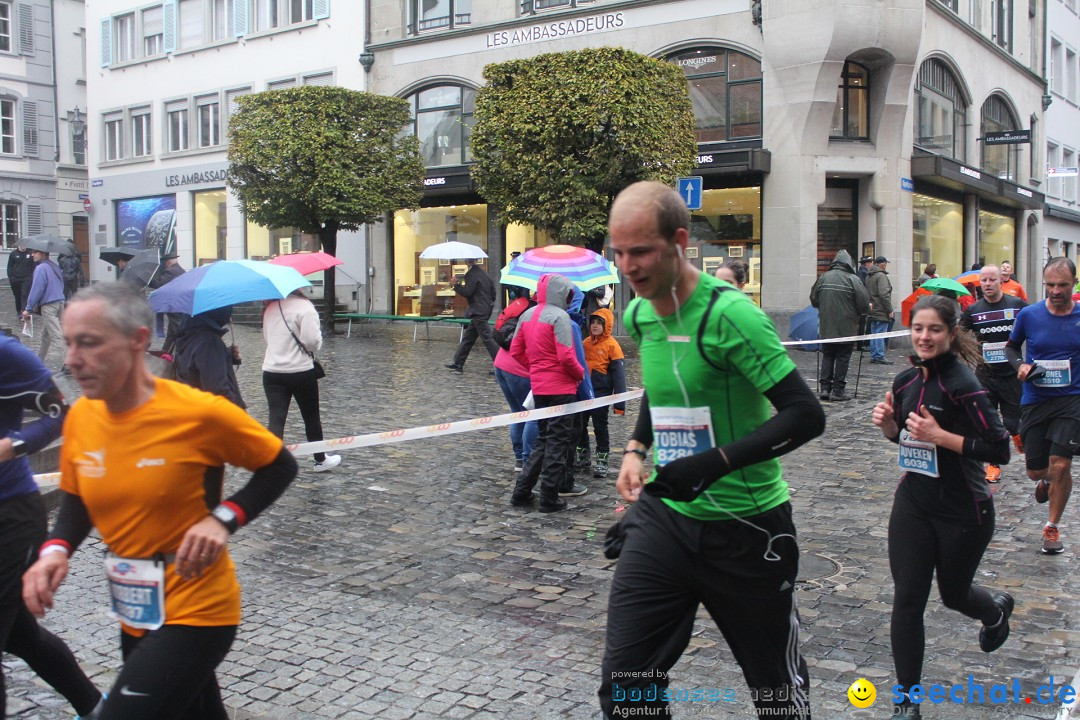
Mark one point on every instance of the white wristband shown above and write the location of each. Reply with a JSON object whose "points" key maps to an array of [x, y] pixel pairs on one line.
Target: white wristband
{"points": [[53, 549]]}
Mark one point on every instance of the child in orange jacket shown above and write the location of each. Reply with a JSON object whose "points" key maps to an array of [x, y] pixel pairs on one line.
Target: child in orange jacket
{"points": [[604, 356]]}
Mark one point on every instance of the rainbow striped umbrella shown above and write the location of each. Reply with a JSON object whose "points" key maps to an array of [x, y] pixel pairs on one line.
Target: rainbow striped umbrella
{"points": [[579, 265]]}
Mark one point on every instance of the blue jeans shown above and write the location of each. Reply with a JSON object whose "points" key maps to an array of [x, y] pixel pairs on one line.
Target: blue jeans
{"points": [[515, 389], [877, 345]]}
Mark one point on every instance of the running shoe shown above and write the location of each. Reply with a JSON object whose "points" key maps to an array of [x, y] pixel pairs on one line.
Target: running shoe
{"points": [[573, 490], [1042, 491], [991, 637], [518, 466], [329, 463], [1018, 443], [1051, 541], [993, 473]]}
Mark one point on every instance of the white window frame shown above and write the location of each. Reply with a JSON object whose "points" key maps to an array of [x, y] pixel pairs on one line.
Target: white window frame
{"points": [[1068, 187], [220, 13], [141, 133], [1070, 74], [301, 11], [7, 17], [124, 38], [265, 15], [1053, 159], [152, 44], [211, 105], [180, 114], [188, 14], [9, 141], [10, 211], [112, 147], [1057, 66]]}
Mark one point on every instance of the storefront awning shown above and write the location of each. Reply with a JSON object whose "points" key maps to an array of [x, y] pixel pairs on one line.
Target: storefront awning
{"points": [[945, 172], [1063, 213]]}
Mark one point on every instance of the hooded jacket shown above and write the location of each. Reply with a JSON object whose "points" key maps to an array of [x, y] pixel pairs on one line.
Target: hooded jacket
{"points": [[840, 299], [544, 341], [604, 357], [581, 331], [877, 283], [202, 360]]}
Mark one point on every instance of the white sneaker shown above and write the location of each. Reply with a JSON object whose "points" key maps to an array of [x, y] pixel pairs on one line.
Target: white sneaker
{"points": [[331, 462]]}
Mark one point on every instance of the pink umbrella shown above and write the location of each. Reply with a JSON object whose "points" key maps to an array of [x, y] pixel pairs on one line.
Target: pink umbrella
{"points": [[307, 263]]}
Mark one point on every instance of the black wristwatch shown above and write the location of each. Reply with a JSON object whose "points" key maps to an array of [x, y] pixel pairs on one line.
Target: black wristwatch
{"points": [[19, 448], [227, 517]]}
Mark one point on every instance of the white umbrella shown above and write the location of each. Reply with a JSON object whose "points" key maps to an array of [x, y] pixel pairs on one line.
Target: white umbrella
{"points": [[452, 250]]}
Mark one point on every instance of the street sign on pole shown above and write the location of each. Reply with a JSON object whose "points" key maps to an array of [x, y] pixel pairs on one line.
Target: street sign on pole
{"points": [[690, 191]]}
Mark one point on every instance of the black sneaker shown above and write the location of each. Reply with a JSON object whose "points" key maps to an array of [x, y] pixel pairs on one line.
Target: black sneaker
{"points": [[523, 500], [556, 506], [573, 490], [881, 361], [455, 367], [824, 395], [991, 638]]}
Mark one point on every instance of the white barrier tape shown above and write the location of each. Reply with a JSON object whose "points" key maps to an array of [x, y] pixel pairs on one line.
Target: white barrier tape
{"points": [[47, 478], [459, 426], [850, 338]]}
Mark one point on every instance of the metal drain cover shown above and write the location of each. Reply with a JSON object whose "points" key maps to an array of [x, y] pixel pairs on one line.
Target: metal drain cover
{"points": [[816, 567]]}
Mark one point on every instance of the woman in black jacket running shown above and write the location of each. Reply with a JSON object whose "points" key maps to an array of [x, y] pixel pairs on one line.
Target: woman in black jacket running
{"points": [[943, 512]]}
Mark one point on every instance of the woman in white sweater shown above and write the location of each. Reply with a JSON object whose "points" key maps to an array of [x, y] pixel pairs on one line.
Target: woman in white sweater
{"points": [[293, 336]]}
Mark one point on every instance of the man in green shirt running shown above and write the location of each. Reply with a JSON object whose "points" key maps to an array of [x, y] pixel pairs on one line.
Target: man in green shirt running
{"points": [[713, 525]]}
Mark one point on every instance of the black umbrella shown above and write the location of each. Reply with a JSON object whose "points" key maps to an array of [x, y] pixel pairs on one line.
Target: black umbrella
{"points": [[142, 267], [113, 255], [47, 244]]}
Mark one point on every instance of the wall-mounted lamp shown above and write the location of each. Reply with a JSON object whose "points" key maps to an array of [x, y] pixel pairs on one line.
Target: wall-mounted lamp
{"points": [[78, 125], [367, 59]]}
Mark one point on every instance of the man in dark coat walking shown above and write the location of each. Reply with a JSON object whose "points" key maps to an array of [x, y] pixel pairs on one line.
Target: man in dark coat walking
{"points": [[20, 271], [841, 300], [476, 287]]}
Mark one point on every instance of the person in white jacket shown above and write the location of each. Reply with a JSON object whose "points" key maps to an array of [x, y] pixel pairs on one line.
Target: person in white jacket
{"points": [[293, 337]]}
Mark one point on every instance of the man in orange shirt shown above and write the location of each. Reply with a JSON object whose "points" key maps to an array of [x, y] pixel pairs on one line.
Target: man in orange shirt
{"points": [[1009, 286], [143, 461]]}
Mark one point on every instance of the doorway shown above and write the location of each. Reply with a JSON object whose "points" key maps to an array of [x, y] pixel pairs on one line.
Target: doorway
{"points": [[80, 235], [838, 223]]}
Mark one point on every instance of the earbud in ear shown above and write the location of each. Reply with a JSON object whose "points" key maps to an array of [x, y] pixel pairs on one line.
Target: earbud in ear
{"points": [[678, 249]]}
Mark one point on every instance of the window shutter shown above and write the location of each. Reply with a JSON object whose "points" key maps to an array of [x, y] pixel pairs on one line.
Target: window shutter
{"points": [[26, 29], [106, 42], [168, 15], [30, 128], [321, 9], [320, 79], [240, 17], [34, 221]]}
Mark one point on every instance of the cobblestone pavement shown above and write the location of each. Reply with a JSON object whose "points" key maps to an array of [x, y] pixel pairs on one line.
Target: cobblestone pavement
{"points": [[403, 585]]}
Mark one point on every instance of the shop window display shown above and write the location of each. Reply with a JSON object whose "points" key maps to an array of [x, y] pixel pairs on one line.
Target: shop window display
{"points": [[937, 235], [425, 287], [728, 227], [997, 238]]}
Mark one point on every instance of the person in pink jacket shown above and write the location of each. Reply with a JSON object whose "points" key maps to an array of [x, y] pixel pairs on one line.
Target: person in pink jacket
{"points": [[544, 345]]}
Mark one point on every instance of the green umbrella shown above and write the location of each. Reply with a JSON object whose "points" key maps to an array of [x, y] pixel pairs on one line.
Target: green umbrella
{"points": [[944, 283]]}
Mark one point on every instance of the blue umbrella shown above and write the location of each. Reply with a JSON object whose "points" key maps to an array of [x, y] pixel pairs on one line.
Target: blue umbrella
{"points": [[226, 282], [804, 326]]}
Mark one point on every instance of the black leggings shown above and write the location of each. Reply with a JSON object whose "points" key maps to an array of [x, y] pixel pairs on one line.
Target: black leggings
{"points": [[919, 545], [168, 674], [22, 530], [280, 389]]}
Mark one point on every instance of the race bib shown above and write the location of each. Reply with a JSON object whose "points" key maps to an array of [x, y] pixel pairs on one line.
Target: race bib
{"points": [[136, 591], [680, 432], [1058, 374], [994, 352], [917, 456]]}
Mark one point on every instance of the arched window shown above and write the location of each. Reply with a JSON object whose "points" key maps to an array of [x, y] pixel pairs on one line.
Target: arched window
{"points": [[442, 117], [851, 118], [1001, 160], [940, 111], [725, 89]]}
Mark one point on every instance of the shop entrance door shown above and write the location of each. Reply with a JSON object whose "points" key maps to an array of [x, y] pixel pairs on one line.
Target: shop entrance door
{"points": [[837, 223]]}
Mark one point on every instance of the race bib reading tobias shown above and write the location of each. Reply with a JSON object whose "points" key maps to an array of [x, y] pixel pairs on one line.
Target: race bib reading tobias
{"points": [[136, 591], [680, 432], [1058, 374], [917, 456]]}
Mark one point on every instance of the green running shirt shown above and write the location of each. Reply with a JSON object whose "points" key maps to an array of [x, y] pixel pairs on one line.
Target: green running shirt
{"points": [[740, 338]]}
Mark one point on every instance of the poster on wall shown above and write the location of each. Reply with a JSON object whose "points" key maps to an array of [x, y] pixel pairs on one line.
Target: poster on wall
{"points": [[147, 223]]}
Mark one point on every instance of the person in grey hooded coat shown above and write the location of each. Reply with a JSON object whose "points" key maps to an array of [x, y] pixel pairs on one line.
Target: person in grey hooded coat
{"points": [[841, 300]]}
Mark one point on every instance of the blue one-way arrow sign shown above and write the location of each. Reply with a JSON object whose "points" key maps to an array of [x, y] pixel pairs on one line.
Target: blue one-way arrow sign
{"points": [[690, 191]]}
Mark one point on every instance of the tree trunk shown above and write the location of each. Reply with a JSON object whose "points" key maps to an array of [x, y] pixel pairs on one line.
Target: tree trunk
{"points": [[328, 241]]}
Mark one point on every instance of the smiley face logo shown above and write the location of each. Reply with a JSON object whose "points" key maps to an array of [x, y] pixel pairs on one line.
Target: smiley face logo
{"points": [[862, 693]]}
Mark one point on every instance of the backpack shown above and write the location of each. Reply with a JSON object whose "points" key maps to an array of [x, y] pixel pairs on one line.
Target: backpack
{"points": [[507, 323], [69, 267]]}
